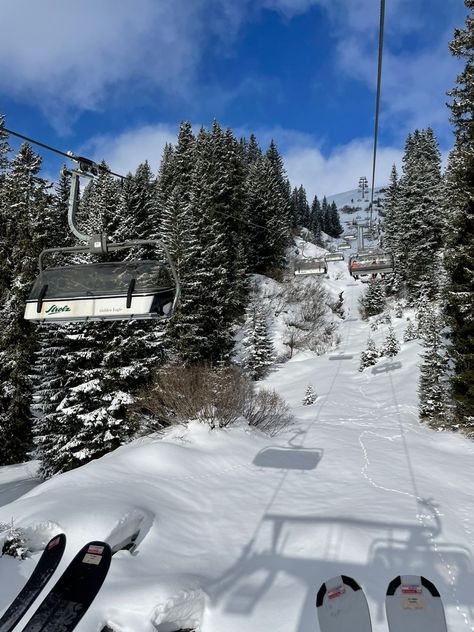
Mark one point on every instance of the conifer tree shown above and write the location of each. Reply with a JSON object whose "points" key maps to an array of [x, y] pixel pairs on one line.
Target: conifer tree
{"points": [[433, 385], [393, 234], [26, 213], [325, 216], [391, 345], [411, 332], [276, 162], [460, 206], [370, 356], [256, 342], [420, 226], [373, 301], [267, 211], [310, 396], [4, 246], [315, 224]]}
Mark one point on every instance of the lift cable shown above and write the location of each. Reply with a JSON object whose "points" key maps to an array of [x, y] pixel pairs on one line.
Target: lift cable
{"points": [[70, 155], [377, 104]]}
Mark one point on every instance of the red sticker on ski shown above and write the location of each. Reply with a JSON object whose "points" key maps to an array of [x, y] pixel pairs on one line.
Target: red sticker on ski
{"points": [[96, 550], [411, 589], [336, 592]]}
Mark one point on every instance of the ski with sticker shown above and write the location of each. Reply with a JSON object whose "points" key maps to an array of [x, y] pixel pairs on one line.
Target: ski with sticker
{"points": [[342, 606], [74, 592], [44, 569], [413, 604]]}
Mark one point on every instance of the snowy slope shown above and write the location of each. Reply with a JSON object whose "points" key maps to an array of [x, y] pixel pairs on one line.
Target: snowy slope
{"points": [[239, 530]]}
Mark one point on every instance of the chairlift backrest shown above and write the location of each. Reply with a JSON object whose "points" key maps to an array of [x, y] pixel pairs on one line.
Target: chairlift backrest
{"points": [[311, 266], [371, 262]]}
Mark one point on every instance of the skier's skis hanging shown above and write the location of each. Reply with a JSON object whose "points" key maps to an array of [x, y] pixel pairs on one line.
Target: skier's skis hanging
{"points": [[44, 569], [71, 596], [413, 604], [342, 606]]}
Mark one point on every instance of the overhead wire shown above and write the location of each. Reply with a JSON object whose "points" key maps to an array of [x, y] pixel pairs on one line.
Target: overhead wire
{"points": [[71, 156], [377, 103]]}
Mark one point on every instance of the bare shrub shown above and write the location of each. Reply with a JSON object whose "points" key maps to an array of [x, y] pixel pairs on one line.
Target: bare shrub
{"points": [[267, 411], [179, 394], [307, 328], [217, 397]]}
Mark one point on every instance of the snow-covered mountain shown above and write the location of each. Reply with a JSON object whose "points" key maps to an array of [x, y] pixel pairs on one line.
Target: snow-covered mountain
{"points": [[238, 529]]}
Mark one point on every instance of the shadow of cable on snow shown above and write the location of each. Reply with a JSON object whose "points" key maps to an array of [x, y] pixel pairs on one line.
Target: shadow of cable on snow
{"points": [[397, 548]]}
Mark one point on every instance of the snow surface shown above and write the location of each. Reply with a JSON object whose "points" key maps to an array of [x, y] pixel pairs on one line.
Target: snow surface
{"points": [[239, 530]]}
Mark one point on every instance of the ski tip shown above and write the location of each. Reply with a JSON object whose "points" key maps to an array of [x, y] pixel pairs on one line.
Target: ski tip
{"points": [[57, 541], [411, 581], [334, 585]]}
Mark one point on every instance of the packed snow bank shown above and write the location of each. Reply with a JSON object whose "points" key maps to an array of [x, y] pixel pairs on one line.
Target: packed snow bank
{"points": [[238, 530]]}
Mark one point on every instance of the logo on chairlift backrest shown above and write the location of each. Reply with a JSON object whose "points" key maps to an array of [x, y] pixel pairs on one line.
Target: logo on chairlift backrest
{"points": [[54, 309]]}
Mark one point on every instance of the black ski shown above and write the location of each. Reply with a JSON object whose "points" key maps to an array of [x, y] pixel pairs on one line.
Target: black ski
{"points": [[45, 567], [76, 589]]}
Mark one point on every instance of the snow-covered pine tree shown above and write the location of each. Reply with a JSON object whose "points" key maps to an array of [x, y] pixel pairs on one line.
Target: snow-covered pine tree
{"points": [[420, 222], [434, 383], [411, 332], [372, 302], [302, 209], [276, 161], [267, 210], [391, 345], [26, 213], [259, 354], [215, 288], [334, 228], [90, 372], [325, 216], [315, 222], [370, 356], [4, 246], [253, 151], [393, 230], [460, 206], [310, 396]]}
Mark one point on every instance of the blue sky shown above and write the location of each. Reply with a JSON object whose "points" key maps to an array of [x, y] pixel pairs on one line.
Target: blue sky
{"points": [[112, 79]]}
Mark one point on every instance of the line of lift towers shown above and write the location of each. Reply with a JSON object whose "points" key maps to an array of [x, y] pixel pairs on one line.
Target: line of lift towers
{"points": [[369, 262]]}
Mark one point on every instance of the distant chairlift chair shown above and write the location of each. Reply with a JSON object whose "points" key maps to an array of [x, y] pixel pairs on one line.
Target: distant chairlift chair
{"points": [[311, 266]]}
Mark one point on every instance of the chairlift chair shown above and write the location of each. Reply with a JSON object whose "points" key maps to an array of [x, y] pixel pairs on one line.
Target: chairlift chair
{"points": [[316, 266], [343, 246], [103, 291], [334, 256], [107, 290], [371, 262]]}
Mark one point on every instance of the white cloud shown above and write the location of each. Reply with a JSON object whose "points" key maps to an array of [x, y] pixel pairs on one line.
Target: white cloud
{"points": [[125, 152], [320, 172], [340, 169], [66, 55]]}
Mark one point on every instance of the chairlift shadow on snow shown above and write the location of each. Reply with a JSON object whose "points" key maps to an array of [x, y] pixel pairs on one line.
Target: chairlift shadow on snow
{"points": [[397, 548], [341, 356], [386, 368], [288, 458]]}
